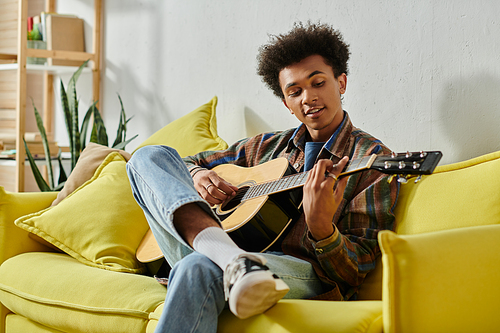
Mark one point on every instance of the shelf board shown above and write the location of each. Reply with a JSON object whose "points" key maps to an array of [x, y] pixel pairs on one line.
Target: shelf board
{"points": [[8, 161], [7, 56], [59, 54], [55, 54], [33, 68]]}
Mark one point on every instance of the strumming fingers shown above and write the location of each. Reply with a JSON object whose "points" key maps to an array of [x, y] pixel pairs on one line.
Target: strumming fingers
{"points": [[214, 194]]}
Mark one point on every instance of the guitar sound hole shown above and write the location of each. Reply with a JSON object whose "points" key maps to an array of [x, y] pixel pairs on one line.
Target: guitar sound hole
{"points": [[236, 200]]}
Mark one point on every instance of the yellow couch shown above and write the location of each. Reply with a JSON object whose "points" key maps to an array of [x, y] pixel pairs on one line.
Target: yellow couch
{"points": [[71, 268]]}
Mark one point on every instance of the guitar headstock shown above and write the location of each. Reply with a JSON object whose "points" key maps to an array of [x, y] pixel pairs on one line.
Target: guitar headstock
{"points": [[409, 163]]}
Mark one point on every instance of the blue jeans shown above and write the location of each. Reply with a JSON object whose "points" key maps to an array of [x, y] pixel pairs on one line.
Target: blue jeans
{"points": [[161, 184]]}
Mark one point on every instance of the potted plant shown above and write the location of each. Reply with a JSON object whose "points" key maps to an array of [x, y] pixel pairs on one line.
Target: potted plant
{"points": [[77, 136]]}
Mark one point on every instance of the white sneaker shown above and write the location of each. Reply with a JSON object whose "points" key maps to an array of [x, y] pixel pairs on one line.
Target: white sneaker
{"points": [[249, 286]]}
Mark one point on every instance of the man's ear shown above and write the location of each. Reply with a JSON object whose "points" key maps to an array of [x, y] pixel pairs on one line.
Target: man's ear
{"points": [[286, 105], [342, 80]]}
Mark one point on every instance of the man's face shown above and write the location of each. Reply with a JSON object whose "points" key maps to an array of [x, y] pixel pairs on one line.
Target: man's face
{"points": [[312, 94]]}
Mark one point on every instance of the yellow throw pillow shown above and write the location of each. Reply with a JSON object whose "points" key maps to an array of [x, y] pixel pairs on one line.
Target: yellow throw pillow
{"points": [[457, 195], [444, 281], [100, 223], [192, 133]]}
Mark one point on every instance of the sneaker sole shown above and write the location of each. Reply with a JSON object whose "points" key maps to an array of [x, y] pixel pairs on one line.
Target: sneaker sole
{"points": [[256, 293]]}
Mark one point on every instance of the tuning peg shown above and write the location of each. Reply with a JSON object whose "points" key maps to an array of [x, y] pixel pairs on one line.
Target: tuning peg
{"points": [[423, 154], [402, 165], [419, 178], [394, 155], [408, 154]]}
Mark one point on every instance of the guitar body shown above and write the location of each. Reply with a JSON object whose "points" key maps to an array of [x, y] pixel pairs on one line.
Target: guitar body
{"points": [[257, 224]]}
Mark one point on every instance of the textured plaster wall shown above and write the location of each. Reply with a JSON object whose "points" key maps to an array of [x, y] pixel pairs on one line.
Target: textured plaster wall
{"points": [[423, 74]]}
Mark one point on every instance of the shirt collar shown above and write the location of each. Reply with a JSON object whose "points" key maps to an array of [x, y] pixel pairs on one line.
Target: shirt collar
{"points": [[335, 144]]}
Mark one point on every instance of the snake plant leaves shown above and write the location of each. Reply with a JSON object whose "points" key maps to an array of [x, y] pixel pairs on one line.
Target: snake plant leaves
{"points": [[45, 143], [99, 134], [42, 184], [77, 138], [67, 113], [85, 124]]}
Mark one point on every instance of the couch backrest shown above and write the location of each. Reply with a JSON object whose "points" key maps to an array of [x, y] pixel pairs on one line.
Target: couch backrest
{"points": [[457, 195]]}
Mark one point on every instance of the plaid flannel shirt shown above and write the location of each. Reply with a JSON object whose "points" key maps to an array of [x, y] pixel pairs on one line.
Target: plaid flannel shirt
{"points": [[342, 260]]}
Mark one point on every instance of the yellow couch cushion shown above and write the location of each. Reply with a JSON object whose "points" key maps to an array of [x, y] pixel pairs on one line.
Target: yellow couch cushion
{"points": [[17, 323], [300, 316], [57, 291], [457, 195], [99, 224], [445, 281], [192, 133]]}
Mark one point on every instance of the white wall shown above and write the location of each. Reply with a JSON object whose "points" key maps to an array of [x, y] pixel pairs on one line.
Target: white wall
{"points": [[424, 74]]}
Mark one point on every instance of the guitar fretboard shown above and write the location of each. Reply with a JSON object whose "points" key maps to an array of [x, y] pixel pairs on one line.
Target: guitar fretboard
{"points": [[299, 179]]}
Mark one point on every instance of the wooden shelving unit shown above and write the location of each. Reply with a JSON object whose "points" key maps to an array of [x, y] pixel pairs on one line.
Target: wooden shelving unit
{"points": [[14, 72]]}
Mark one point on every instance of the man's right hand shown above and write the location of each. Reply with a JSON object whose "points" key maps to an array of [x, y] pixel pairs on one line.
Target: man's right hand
{"points": [[213, 188]]}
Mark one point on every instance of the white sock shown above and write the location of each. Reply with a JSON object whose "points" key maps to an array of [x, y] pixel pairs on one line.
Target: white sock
{"points": [[216, 244]]}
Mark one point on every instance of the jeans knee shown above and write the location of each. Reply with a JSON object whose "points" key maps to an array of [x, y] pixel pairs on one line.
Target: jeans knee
{"points": [[146, 157], [142, 155], [138, 159]]}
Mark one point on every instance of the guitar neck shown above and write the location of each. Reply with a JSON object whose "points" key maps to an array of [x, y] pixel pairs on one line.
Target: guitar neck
{"points": [[299, 179]]}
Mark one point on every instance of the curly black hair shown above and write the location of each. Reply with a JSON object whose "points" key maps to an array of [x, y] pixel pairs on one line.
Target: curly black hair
{"points": [[298, 44]]}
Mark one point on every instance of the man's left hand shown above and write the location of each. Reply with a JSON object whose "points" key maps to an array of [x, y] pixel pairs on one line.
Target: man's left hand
{"points": [[322, 196]]}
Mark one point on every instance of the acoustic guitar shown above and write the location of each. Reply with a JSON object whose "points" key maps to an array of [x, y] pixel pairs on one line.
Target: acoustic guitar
{"points": [[269, 197]]}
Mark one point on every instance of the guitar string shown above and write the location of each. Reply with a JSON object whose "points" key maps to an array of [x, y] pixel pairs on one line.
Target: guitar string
{"points": [[265, 188], [297, 180]]}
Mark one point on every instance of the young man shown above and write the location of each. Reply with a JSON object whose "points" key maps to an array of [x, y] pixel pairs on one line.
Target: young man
{"points": [[333, 245]]}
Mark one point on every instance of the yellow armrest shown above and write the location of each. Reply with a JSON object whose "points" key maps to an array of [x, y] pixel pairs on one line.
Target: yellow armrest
{"points": [[14, 240], [444, 281]]}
